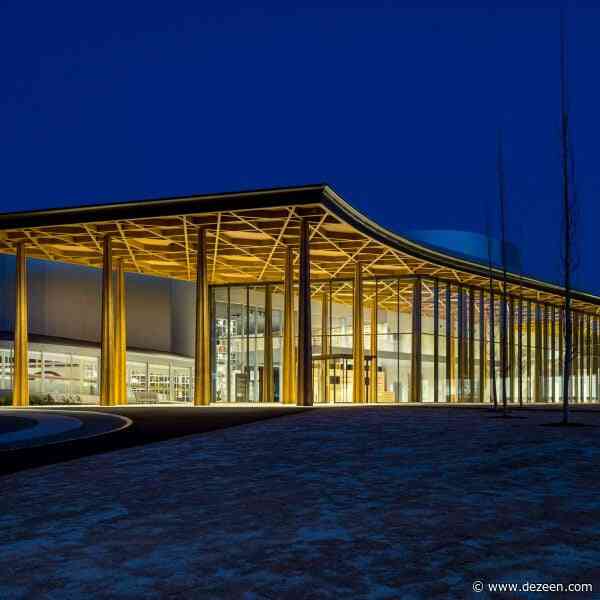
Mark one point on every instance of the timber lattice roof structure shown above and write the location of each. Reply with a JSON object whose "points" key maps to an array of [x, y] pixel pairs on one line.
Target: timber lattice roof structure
{"points": [[247, 236]]}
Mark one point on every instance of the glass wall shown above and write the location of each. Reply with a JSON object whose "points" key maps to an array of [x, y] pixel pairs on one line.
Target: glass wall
{"points": [[425, 340], [239, 342], [467, 346], [57, 377]]}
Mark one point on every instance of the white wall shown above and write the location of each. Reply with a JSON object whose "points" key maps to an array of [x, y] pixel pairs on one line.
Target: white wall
{"points": [[65, 301]]}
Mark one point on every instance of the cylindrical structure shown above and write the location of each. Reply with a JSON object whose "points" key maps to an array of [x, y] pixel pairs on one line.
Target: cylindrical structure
{"points": [[538, 397], [202, 387], [449, 345], [373, 340], [267, 384], [120, 337], [415, 371], [482, 344], [304, 383], [325, 346], [358, 350], [289, 366], [471, 397], [520, 351], [107, 346], [460, 322], [20, 396], [529, 394], [436, 340], [511, 350]]}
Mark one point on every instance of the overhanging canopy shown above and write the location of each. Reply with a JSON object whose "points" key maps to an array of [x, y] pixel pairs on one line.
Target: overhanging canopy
{"points": [[247, 234]]}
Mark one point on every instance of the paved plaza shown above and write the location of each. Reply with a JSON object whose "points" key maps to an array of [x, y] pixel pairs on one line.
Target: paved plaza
{"points": [[330, 503]]}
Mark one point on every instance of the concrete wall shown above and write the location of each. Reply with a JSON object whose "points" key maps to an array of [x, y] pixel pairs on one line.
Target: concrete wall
{"points": [[65, 301]]}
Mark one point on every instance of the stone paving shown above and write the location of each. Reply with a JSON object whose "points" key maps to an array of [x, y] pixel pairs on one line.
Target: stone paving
{"points": [[330, 503]]}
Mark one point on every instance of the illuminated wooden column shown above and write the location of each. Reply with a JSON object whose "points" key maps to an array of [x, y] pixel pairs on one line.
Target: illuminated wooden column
{"points": [[482, 344], [202, 388], [325, 345], [289, 364], [588, 357], [512, 360], [20, 395], [561, 333], [460, 321], [436, 340], [267, 389], [553, 351], [471, 345], [107, 344], [304, 383], [449, 344], [574, 384], [528, 351], [415, 371], [120, 337], [358, 349], [520, 351], [373, 340], [582, 352], [538, 354], [596, 361]]}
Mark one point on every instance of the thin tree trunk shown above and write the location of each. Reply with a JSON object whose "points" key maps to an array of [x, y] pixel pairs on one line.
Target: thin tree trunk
{"points": [[494, 390], [567, 217], [503, 315]]}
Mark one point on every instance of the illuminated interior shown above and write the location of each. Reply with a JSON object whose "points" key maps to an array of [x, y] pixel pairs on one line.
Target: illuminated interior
{"points": [[426, 316]]}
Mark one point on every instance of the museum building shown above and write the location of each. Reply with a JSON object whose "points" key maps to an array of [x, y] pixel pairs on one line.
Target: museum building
{"points": [[283, 295]]}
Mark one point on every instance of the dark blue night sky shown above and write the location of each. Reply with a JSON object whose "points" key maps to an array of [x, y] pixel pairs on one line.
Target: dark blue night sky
{"points": [[397, 107]]}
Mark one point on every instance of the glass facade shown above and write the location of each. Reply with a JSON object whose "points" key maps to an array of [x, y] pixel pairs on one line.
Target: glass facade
{"points": [[449, 339], [57, 377], [425, 340], [239, 342]]}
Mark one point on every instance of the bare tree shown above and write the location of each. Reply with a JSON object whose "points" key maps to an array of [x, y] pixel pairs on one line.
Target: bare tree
{"points": [[503, 311], [494, 390], [569, 200]]}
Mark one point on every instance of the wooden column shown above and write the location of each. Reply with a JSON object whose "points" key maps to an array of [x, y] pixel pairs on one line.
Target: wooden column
{"points": [[325, 345], [482, 345], [289, 363], [20, 394], [575, 357], [304, 383], [268, 347], [471, 338], [520, 351], [107, 344], [373, 340], [553, 353], [449, 344], [561, 333], [202, 387], [436, 340], [460, 322], [358, 350], [120, 338], [588, 357], [511, 349], [581, 354], [415, 371], [529, 396], [596, 335], [538, 397]]}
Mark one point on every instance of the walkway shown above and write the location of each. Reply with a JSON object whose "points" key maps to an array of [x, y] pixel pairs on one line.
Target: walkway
{"points": [[339, 503]]}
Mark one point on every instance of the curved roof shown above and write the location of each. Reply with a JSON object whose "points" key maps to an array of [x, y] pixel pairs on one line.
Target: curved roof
{"points": [[247, 234]]}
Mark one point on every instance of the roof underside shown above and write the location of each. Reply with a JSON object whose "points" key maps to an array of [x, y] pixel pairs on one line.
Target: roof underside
{"points": [[247, 235]]}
